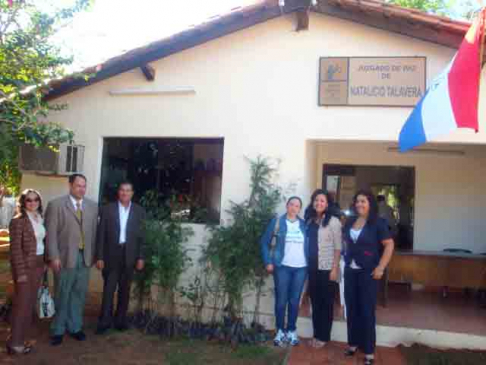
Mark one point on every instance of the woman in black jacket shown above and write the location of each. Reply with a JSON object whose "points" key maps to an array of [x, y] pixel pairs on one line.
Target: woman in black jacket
{"points": [[368, 250]]}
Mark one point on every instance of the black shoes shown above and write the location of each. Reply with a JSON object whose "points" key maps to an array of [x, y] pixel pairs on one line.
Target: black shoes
{"points": [[79, 336], [56, 340]]}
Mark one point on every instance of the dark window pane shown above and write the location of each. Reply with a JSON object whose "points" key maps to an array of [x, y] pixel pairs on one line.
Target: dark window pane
{"points": [[187, 171], [74, 166], [68, 158]]}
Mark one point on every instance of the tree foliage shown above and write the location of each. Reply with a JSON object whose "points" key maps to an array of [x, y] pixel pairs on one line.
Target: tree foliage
{"points": [[440, 7], [28, 60], [165, 254], [233, 250]]}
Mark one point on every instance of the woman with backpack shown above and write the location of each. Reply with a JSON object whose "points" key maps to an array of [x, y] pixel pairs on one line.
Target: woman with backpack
{"points": [[284, 249]]}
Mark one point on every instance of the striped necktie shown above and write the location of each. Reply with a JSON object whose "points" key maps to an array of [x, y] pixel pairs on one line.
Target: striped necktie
{"points": [[79, 214]]}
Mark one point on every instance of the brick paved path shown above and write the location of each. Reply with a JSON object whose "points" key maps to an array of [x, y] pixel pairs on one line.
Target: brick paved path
{"points": [[332, 354]]}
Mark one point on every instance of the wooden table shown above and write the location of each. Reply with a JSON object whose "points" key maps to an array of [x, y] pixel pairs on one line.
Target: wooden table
{"points": [[439, 269]]}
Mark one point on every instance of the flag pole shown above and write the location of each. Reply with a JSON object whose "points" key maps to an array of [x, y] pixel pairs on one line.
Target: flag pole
{"points": [[483, 33], [481, 49]]}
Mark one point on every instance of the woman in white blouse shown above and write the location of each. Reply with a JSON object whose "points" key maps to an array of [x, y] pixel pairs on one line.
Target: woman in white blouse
{"points": [[27, 233]]}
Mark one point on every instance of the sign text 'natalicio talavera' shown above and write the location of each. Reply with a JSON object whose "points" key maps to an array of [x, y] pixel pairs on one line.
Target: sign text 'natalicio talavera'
{"points": [[372, 81]]}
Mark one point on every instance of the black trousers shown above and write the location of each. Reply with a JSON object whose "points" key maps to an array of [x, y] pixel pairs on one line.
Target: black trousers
{"points": [[322, 292], [116, 276], [360, 293]]}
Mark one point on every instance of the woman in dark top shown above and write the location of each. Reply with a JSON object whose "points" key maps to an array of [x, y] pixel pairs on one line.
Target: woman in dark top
{"points": [[324, 235], [368, 250]]}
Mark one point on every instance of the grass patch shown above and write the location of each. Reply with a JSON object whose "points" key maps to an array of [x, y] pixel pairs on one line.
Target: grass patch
{"points": [[198, 352], [248, 352], [422, 355], [182, 357]]}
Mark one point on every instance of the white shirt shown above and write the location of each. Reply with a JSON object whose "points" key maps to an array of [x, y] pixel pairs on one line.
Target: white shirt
{"points": [[294, 255], [123, 213], [39, 231], [76, 202], [354, 234]]}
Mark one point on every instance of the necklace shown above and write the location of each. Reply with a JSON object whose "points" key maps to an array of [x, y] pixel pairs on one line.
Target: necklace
{"points": [[359, 224]]}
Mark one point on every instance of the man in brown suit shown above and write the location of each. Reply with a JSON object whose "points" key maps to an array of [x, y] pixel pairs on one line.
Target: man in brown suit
{"points": [[119, 252], [71, 223]]}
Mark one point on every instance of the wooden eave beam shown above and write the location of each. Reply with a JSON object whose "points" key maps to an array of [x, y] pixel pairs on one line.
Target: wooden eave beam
{"points": [[302, 16], [148, 72]]}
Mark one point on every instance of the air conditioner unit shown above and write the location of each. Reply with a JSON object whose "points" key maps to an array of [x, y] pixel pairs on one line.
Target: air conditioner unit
{"points": [[67, 161]]}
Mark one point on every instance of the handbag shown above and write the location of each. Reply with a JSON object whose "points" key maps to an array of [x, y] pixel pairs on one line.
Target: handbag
{"points": [[273, 241], [46, 303]]}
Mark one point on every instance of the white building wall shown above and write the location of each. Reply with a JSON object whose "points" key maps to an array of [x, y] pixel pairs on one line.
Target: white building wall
{"points": [[450, 203], [257, 89]]}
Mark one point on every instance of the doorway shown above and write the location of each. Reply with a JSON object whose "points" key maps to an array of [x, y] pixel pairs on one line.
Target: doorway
{"points": [[394, 185]]}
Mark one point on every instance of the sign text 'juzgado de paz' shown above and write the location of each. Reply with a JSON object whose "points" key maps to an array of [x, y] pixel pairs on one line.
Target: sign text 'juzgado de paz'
{"points": [[379, 81]]}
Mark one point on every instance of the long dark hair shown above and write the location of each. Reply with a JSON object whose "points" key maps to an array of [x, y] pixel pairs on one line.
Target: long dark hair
{"points": [[310, 212], [21, 205], [373, 214]]}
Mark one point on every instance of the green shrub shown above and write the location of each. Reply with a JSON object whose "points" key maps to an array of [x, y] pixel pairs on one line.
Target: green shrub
{"points": [[165, 255], [233, 251]]}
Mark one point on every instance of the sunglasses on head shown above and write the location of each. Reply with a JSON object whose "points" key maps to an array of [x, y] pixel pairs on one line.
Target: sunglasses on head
{"points": [[36, 200]]}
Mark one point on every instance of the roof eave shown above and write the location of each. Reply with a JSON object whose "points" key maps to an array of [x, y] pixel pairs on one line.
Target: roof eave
{"points": [[408, 22], [179, 42]]}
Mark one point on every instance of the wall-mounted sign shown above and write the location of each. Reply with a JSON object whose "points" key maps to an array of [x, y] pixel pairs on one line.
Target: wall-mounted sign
{"points": [[375, 81]]}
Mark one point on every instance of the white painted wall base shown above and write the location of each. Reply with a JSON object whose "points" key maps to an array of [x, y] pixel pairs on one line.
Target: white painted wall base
{"points": [[393, 336]]}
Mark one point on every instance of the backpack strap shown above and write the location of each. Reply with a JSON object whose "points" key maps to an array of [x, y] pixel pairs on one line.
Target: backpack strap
{"points": [[273, 241], [277, 226]]}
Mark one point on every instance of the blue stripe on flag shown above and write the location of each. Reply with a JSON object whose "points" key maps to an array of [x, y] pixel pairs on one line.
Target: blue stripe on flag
{"points": [[412, 133]]}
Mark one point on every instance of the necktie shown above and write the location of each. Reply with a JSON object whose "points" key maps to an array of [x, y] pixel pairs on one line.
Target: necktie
{"points": [[79, 214]]}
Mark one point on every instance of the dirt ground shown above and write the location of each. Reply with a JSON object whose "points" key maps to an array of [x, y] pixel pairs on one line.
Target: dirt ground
{"points": [[134, 348], [127, 348]]}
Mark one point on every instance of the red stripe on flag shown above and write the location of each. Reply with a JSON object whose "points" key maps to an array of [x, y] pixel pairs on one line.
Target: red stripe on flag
{"points": [[464, 77]]}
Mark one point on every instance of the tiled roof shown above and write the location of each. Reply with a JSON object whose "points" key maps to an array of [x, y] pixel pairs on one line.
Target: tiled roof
{"points": [[374, 13], [410, 22]]}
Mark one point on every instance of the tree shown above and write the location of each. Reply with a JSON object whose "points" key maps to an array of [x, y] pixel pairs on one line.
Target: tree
{"points": [[440, 7], [233, 250], [28, 60]]}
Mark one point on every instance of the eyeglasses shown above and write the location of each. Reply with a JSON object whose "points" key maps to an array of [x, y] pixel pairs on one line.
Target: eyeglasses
{"points": [[36, 200]]}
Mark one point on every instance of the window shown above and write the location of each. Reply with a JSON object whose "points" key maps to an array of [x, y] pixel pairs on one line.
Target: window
{"points": [[189, 170]]}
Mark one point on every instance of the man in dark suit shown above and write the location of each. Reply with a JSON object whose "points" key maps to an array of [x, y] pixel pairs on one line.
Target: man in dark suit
{"points": [[119, 251]]}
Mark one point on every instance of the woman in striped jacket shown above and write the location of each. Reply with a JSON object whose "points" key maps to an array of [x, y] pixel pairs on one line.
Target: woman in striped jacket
{"points": [[27, 233], [324, 235]]}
